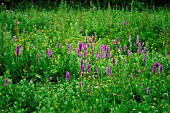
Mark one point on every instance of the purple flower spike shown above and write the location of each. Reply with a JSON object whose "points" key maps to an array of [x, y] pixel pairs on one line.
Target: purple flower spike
{"points": [[86, 38], [117, 40], [160, 67], [137, 39], [110, 55], [113, 60], [125, 48], [49, 53], [144, 49], [104, 56], [85, 54], [154, 68], [97, 71], [82, 69], [51, 78], [138, 50], [6, 81], [128, 52], [89, 67], [108, 70], [130, 44], [107, 49], [31, 80], [80, 83], [147, 90], [17, 50], [98, 56], [156, 64], [67, 76]]}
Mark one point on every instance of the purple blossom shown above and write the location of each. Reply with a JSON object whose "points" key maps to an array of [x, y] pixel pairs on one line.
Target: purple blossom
{"points": [[104, 56], [113, 60], [97, 71], [125, 23], [93, 8], [156, 64], [119, 50], [6, 81], [82, 69], [107, 49], [138, 50], [67, 76], [128, 52], [86, 38], [93, 48], [139, 71], [88, 45], [102, 48], [110, 55], [160, 67], [17, 50], [85, 47], [98, 56], [31, 80], [130, 44], [147, 90], [51, 78], [49, 53], [108, 70], [139, 45], [89, 67], [154, 68], [80, 83], [78, 52], [125, 48], [80, 45], [85, 54], [137, 39], [117, 40], [144, 49]]}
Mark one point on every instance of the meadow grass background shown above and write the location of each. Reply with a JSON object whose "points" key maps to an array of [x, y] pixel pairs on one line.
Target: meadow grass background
{"points": [[84, 60]]}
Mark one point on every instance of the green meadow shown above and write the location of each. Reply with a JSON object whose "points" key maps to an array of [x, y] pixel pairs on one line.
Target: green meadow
{"points": [[84, 60]]}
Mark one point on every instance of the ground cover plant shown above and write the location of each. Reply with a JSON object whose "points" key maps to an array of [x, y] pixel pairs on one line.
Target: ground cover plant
{"points": [[84, 60]]}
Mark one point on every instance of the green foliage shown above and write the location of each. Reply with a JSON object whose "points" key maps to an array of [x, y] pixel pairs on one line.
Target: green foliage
{"points": [[34, 80]]}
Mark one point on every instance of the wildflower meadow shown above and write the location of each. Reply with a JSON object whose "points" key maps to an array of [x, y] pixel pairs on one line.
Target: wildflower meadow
{"points": [[84, 60]]}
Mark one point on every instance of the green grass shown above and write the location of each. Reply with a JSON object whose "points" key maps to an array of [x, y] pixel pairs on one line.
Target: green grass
{"points": [[124, 90]]}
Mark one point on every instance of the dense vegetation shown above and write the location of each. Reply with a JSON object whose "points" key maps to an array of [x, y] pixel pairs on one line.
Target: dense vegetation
{"points": [[84, 60]]}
